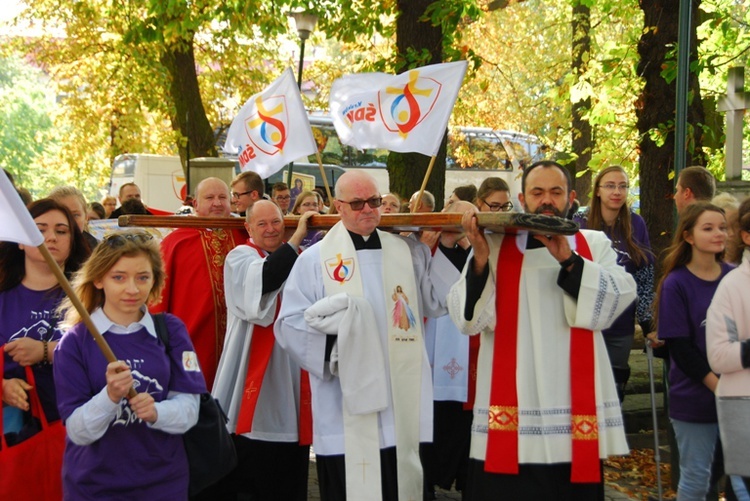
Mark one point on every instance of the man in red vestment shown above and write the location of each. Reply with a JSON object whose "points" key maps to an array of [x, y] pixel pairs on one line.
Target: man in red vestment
{"points": [[194, 262]]}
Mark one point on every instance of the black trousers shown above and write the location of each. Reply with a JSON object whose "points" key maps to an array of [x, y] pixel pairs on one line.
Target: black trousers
{"points": [[332, 475], [266, 471], [548, 482], [451, 441]]}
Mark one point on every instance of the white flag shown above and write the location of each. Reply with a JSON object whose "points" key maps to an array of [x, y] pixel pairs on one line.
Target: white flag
{"points": [[271, 129], [16, 224], [406, 113]]}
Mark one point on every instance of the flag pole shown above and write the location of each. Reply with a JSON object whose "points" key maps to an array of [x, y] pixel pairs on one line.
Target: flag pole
{"points": [[424, 183], [98, 338], [323, 174]]}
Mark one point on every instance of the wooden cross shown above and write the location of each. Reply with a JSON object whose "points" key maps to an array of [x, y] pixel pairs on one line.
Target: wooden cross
{"points": [[734, 103]]}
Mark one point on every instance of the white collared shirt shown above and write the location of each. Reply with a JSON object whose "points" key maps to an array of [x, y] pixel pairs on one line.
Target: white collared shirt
{"points": [[88, 423]]}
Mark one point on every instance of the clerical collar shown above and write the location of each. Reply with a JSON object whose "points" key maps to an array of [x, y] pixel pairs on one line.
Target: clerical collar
{"points": [[360, 243]]}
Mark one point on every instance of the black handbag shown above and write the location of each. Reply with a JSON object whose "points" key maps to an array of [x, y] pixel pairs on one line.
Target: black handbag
{"points": [[208, 444]]}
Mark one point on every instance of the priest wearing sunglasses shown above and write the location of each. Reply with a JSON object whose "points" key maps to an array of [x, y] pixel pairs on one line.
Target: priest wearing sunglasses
{"points": [[353, 317]]}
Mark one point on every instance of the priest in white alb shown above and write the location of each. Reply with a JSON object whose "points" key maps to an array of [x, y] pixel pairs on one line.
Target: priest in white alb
{"points": [[546, 410], [353, 317], [265, 394]]}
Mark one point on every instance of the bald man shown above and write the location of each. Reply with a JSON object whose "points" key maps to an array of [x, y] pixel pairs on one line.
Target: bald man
{"points": [[194, 263], [266, 396], [356, 326]]}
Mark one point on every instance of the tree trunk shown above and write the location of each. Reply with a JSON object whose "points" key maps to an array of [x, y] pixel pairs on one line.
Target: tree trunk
{"points": [[188, 115], [582, 141], [406, 170], [655, 109]]}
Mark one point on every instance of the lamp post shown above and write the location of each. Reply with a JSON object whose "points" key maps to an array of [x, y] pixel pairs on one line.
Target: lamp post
{"points": [[305, 22]]}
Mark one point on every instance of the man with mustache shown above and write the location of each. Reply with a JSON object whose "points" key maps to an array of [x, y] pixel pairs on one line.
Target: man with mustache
{"points": [[546, 410]]}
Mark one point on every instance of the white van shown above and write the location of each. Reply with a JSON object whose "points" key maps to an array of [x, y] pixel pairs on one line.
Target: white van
{"points": [[160, 178]]}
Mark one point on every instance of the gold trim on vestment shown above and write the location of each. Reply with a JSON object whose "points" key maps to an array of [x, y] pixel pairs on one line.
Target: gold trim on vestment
{"points": [[216, 245], [584, 427], [503, 418]]}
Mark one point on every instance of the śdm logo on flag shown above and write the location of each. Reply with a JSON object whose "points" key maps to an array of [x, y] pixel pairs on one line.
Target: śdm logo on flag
{"points": [[406, 113], [271, 129]]}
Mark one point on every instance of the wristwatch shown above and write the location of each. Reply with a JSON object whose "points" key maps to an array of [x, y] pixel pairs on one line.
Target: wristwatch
{"points": [[570, 260]]}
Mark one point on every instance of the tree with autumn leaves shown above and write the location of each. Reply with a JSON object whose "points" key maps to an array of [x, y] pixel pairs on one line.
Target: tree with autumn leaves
{"points": [[594, 80]]}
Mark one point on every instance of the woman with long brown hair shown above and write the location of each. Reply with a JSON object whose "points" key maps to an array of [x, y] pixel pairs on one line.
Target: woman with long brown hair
{"points": [[692, 269], [29, 297], [610, 212]]}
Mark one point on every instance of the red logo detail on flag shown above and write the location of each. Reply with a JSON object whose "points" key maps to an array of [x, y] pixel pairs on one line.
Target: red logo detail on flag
{"points": [[267, 128], [403, 108]]}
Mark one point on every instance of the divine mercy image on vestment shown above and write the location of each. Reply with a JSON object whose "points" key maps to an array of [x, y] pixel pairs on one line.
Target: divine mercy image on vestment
{"points": [[403, 317]]}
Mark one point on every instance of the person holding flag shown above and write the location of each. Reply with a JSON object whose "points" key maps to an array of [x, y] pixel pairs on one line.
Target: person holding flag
{"points": [[29, 297], [118, 447]]}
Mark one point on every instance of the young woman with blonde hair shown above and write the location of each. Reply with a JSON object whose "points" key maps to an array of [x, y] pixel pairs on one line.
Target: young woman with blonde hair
{"points": [[118, 447]]}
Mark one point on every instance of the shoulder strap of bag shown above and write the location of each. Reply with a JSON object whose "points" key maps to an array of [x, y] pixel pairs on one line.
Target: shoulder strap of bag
{"points": [[160, 324]]}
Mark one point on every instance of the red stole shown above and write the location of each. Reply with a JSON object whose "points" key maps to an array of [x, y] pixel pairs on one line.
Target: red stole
{"points": [[472, 380], [261, 347], [502, 435]]}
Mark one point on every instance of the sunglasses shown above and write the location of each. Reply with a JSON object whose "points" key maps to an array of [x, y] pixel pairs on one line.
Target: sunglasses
{"points": [[116, 240], [373, 202]]}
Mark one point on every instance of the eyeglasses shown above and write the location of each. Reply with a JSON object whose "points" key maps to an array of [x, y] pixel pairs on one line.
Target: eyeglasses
{"points": [[373, 202], [613, 187], [283, 197], [238, 195], [116, 240], [507, 206]]}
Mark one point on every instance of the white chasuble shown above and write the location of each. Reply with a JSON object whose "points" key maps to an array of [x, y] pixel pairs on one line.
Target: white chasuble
{"points": [[400, 286], [404, 348], [546, 315]]}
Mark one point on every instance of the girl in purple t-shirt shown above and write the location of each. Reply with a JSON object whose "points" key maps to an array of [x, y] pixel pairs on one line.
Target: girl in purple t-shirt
{"points": [[693, 268], [29, 296], [119, 448]]}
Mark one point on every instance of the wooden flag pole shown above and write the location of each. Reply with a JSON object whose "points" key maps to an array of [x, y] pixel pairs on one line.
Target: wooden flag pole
{"points": [[63, 281], [325, 179], [424, 183]]}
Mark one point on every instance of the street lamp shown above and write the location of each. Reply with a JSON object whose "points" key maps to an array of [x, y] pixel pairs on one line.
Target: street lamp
{"points": [[305, 22]]}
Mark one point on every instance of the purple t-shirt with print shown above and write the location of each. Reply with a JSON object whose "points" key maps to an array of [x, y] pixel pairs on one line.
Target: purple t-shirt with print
{"points": [[28, 313], [683, 303], [131, 460]]}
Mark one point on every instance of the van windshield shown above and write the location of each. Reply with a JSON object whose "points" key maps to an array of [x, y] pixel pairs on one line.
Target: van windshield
{"points": [[124, 167]]}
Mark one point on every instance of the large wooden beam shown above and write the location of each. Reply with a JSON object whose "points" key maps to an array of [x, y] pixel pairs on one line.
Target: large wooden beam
{"points": [[502, 222]]}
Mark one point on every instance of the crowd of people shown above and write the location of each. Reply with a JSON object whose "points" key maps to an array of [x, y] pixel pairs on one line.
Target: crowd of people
{"points": [[492, 363]]}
